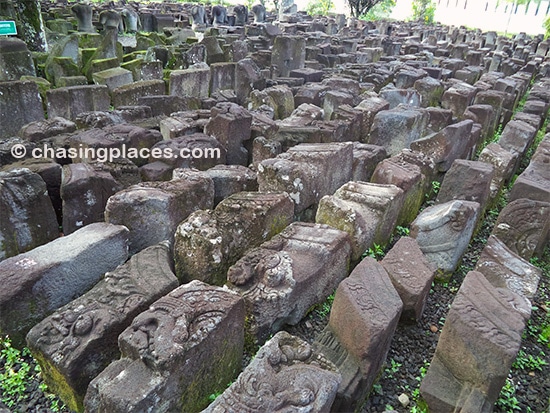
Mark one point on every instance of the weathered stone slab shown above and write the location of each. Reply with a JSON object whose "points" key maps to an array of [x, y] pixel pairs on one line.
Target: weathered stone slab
{"points": [[363, 319], [26, 213], [408, 177], [153, 210], [288, 53], [20, 103], [524, 227], [368, 212], [478, 343], [283, 278], [505, 269], [443, 233], [38, 282], [16, 59], [458, 97], [69, 102], [128, 95], [194, 81], [485, 116], [208, 242], [230, 124], [187, 346], [396, 129], [286, 374], [411, 274], [263, 148], [85, 189], [113, 78], [517, 137], [452, 142], [307, 172], [503, 163], [74, 344], [38, 130], [467, 180]]}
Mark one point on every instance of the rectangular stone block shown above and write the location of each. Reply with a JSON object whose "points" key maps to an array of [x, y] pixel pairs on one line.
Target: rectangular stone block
{"points": [[287, 275], [80, 339], [113, 78], [38, 282], [194, 81], [20, 103], [208, 242], [187, 346], [362, 322], [307, 172], [368, 212], [128, 95], [69, 102]]}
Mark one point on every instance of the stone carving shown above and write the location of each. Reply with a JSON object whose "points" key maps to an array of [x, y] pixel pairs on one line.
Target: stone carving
{"points": [[187, 346], [208, 242], [241, 15], [219, 15], [259, 13], [443, 233], [130, 19], [283, 278], [524, 227], [110, 19], [362, 322], [198, 14], [478, 343], [286, 375], [80, 339], [83, 13]]}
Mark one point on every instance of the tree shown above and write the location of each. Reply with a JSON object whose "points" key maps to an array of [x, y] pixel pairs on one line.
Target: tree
{"points": [[360, 7]]}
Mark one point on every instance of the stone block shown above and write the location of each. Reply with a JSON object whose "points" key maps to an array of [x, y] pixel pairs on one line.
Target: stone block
{"points": [[524, 227], [153, 210], [444, 147], [69, 102], [128, 95], [408, 177], [85, 189], [40, 281], [286, 372], [368, 212], [365, 159], [79, 340], [231, 125], [26, 213], [411, 274], [430, 90], [457, 98], [396, 97], [20, 103], [288, 53], [113, 78], [443, 233], [230, 179], [503, 268], [16, 60], [467, 180], [362, 322], [194, 81], [396, 129], [263, 148], [503, 163], [478, 343], [222, 76], [485, 116], [517, 137], [187, 346], [307, 172], [208, 242], [287, 275]]}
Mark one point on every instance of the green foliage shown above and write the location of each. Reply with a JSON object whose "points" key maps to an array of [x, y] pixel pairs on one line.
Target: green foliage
{"points": [[424, 11], [546, 26], [402, 231], [361, 7], [507, 400], [319, 7], [528, 362], [376, 252], [16, 372], [323, 309], [380, 11], [393, 368]]}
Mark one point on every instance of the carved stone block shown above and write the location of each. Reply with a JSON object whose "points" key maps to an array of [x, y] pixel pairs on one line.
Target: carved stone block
{"points": [[208, 242], [363, 319], [411, 274], [80, 339], [524, 227], [443, 233], [286, 375], [478, 343], [38, 282], [307, 172], [368, 212], [153, 210], [187, 346], [283, 278]]}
